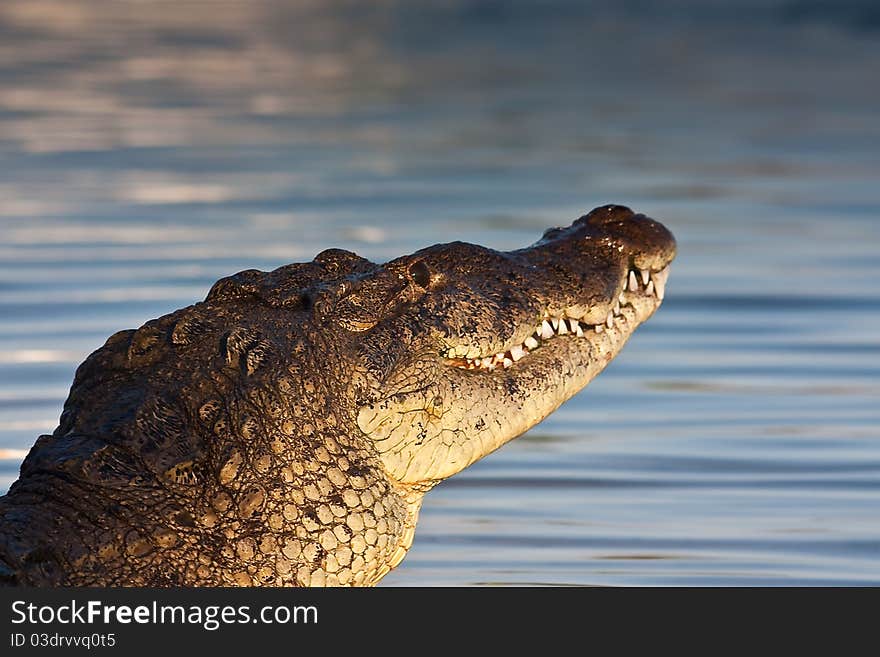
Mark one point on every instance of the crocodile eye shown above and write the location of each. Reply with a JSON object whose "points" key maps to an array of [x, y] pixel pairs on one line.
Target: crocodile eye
{"points": [[419, 273]]}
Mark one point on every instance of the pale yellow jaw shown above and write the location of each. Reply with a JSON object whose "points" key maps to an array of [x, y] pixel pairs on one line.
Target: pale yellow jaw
{"points": [[433, 430]]}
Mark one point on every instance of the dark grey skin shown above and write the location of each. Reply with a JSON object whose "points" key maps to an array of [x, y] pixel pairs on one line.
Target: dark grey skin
{"points": [[284, 431]]}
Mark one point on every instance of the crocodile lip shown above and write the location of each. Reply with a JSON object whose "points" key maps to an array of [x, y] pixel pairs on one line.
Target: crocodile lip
{"points": [[639, 283]]}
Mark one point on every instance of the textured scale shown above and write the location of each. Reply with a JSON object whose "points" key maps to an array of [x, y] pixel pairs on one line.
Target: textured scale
{"points": [[284, 431]]}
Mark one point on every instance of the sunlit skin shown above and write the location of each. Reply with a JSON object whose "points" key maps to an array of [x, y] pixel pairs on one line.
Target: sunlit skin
{"points": [[284, 431]]}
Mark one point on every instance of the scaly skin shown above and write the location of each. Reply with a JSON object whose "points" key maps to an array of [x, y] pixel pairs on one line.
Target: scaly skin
{"points": [[284, 431]]}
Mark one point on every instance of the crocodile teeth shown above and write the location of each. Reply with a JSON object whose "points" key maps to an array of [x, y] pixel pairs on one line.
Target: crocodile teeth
{"points": [[659, 279], [633, 284], [641, 280], [652, 283]]}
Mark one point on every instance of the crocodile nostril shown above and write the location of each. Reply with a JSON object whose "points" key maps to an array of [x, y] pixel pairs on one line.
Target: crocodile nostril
{"points": [[608, 214]]}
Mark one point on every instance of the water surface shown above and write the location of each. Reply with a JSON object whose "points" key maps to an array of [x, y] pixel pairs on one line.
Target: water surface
{"points": [[144, 153]]}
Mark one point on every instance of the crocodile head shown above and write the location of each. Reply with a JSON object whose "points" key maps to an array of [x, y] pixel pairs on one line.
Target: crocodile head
{"points": [[284, 430], [462, 348]]}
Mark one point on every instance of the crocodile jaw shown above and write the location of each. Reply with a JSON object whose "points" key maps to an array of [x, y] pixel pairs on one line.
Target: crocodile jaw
{"points": [[474, 394], [480, 404]]}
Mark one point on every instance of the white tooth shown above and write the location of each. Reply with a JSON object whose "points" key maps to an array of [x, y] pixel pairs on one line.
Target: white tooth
{"points": [[507, 363], [650, 289], [599, 328], [578, 330], [516, 353], [617, 307], [621, 298], [633, 283], [609, 321], [660, 289], [499, 357], [563, 327], [555, 323], [546, 330], [491, 367], [660, 282], [646, 276], [531, 343]]}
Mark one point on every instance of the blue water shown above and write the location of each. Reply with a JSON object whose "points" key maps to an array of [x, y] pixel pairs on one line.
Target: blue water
{"points": [[144, 153]]}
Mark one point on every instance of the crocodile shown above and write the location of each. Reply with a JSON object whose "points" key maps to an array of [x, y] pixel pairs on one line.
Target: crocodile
{"points": [[284, 431]]}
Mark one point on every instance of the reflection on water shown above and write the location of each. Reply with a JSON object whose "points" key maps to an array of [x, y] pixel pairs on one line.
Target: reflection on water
{"points": [[149, 148]]}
